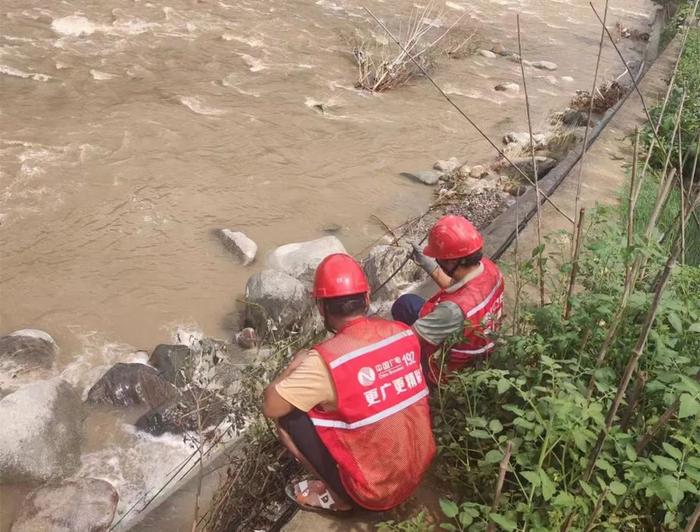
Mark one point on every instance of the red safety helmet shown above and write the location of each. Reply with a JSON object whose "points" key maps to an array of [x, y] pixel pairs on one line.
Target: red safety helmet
{"points": [[339, 275], [453, 237]]}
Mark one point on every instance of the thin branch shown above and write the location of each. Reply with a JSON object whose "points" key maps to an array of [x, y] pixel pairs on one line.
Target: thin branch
{"points": [[584, 147], [574, 264], [502, 470], [540, 263]]}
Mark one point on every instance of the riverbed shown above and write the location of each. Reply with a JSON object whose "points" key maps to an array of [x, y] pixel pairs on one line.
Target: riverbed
{"points": [[130, 132]]}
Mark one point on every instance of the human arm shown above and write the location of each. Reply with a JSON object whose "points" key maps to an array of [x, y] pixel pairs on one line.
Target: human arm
{"points": [[304, 384], [445, 320], [431, 267]]}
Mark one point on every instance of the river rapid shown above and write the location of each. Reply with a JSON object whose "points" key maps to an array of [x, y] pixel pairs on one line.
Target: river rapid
{"points": [[131, 130]]}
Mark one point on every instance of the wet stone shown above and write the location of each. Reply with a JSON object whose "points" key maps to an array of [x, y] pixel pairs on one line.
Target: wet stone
{"points": [[427, 177]]}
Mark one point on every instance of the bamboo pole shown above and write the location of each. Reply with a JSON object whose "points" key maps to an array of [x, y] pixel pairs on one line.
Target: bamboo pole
{"points": [[481, 132], [693, 520], [590, 114], [574, 263], [502, 470], [682, 187], [634, 398], [540, 263]]}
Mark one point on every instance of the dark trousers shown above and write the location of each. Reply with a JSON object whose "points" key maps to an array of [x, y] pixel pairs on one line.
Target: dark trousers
{"points": [[303, 433], [406, 308]]}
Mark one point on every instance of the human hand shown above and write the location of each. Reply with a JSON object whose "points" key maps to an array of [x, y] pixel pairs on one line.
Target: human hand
{"points": [[426, 263]]}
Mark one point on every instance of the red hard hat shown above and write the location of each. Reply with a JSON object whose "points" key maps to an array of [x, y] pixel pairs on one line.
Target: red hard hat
{"points": [[453, 237], [339, 275]]}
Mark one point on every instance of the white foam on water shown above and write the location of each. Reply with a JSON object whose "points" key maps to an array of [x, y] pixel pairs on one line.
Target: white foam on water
{"points": [[197, 106], [74, 25], [470, 93], [189, 335], [34, 333], [133, 469], [254, 64], [253, 42], [15, 72], [101, 76], [457, 7], [568, 79]]}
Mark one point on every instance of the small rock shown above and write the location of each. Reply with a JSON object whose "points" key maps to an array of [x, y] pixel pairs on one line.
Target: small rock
{"points": [[173, 362], [246, 338], [300, 259], [42, 429], [513, 187], [448, 166], [332, 228], [477, 171], [574, 118], [523, 139], [487, 53], [464, 171], [242, 246], [544, 165], [275, 300], [544, 65], [511, 88], [85, 504], [131, 384], [427, 177], [499, 49]]}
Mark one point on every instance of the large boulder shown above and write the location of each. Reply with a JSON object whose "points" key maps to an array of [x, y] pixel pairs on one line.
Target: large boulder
{"points": [[544, 165], [84, 504], [275, 300], [42, 428], [427, 177], [300, 259], [381, 262], [131, 384], [26, 356], [180, 414], [174, 362]]}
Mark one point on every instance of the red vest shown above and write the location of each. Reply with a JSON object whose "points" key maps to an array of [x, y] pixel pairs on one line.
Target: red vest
{"points": [[380, 433], [481, 301]]}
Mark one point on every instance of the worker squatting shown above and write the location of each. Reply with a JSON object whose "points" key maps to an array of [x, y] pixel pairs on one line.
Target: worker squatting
{"points": [[354, 408]]}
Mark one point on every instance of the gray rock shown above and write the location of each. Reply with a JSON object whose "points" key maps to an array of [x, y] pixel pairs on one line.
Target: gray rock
{"points": [[84, 504], [448, 166], [242, 246], [464, 171], [427, 177], [544, 65], [275, 300], [381, 262], [246, 338], [180, 414], [332, 228], [513, 187], [300, 259], [572, 117], [26, 356], [510, 88], [173, 362], [523, 139], [131, 384], [42, 428], [544, 165], [477, 172], [487, 53]]}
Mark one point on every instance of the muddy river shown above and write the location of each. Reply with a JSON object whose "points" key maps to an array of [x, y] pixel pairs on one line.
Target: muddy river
{"points": [[131, 130]]}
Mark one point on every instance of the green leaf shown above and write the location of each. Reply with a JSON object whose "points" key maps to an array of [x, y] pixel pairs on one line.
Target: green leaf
{"points": [[618, 488], [503, 521], [548, 487], [665, 462], [465, 519], [532, 477], [631, 453], [495, 426], [503, 386], [494, 456], [688, 406], [449, 508], [539, 249], [563, 499], [478, 433], [695, 327], [675, 322], [672, 451], [448, 526]]}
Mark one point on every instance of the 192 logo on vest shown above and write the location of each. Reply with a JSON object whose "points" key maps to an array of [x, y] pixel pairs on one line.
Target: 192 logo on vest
{"points": [[366, 376]]}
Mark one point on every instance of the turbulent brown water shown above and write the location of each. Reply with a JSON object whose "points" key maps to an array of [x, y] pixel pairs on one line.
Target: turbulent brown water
{"points": [[131, 130]]}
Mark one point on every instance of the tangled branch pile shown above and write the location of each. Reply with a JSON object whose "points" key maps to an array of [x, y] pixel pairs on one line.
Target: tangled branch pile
{"points": [[383, 65], [606, 96]]}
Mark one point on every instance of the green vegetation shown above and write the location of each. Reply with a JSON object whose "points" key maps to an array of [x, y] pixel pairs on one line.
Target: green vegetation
{"points": [[533, 396]]}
